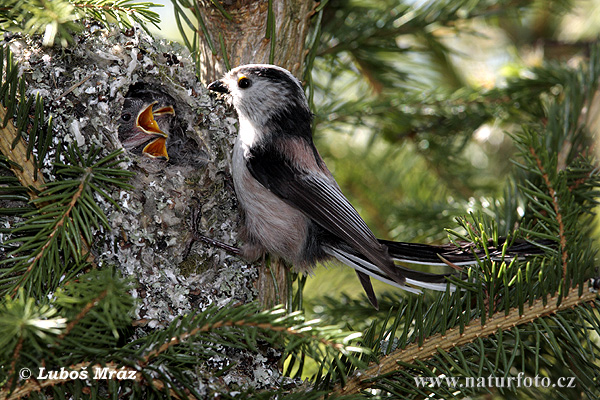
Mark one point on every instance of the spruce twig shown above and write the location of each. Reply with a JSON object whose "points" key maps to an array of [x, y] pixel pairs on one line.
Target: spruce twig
{"points": [[57, 226], [454, 337], [84, 311], [34, 385], [58, 20], [234, 324], [559, 217]]}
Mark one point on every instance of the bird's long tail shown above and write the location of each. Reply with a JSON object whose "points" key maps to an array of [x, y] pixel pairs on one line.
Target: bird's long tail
{"points": [[466, 254], [414, 253]]}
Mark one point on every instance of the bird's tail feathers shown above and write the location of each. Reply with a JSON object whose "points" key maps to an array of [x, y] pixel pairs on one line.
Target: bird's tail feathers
{"points": [[415, 253], [425, 254], [414, 278]]}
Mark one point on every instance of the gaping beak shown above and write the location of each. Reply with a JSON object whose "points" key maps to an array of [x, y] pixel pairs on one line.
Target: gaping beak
{"points": [[218, 86], [157, 149], [167, 110], [145, 120]]}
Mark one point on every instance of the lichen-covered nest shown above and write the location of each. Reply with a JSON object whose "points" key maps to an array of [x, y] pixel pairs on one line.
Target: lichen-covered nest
{"points": [[84, 87]]}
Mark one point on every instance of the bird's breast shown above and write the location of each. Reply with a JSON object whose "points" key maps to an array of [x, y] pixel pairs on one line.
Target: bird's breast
{"points": [[275, 225]]}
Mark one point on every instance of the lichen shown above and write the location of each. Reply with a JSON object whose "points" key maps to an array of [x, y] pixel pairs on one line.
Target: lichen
{"points": [[84, 87]]}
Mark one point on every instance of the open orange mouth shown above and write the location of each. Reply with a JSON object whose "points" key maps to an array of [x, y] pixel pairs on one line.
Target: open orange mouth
{"points": [[157, 149], [163, 110], [146, 121]]}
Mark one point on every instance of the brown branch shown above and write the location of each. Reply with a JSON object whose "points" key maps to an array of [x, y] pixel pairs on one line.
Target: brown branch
{"points": [[28, 172], [15, 357], [31, 178], [561, 225], [33, 385], [82, 314], [454, 338], [579, 182]]}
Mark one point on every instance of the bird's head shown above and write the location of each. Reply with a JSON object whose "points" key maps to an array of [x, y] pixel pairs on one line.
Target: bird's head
{"points": [[261, 92], [145, 121]]}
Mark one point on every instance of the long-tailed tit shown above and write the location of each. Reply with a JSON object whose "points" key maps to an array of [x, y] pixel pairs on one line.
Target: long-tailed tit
{"points": [[292, 205]]}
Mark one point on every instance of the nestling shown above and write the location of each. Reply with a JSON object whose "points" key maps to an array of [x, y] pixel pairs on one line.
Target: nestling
{"points": [[145, 121]]}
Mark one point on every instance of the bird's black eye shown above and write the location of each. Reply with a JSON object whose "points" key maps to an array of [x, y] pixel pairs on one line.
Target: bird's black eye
{"points": [[244, 82], [126, 117]]}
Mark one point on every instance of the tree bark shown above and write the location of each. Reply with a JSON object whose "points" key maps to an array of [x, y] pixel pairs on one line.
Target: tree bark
{"points": [[245, 32], [247, 37]]}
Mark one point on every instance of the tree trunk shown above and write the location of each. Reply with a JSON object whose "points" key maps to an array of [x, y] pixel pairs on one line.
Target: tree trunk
{"points": [[245, 32], [246, 37]]}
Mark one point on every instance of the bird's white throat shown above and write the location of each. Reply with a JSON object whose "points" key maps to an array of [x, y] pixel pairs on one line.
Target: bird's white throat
{"points": [[248, 134]]}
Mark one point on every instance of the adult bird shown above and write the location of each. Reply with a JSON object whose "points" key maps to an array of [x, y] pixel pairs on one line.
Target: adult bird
{"points": [[292, 205]]}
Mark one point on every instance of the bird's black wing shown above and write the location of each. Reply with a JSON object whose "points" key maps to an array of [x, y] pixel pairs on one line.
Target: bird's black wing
{"points": [[316, 194]]}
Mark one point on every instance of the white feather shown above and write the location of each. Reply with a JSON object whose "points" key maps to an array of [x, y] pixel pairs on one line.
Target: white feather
{"points": [[343, 257], [409, 261], [372, 270]]}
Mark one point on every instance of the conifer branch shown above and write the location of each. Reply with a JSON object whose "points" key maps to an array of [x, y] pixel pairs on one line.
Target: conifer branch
{"points": [[111, 368], [34, 385], [237, 324], [18, 152], [15, 356], [82, 314], [559, 217], [108, 7], [67, 213], [59, 19], [108, 369], [55, 229], [455, 338], [127, 360]]}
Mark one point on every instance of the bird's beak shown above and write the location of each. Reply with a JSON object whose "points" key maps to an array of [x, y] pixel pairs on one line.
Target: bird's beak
{"points": [[157, 149], [145, 120], [167, 110], [218, 86]]}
